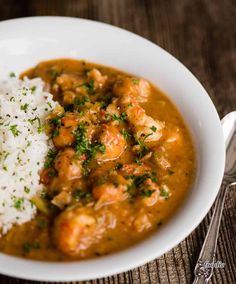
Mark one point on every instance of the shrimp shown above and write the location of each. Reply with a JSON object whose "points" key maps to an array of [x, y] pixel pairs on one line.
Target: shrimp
{"points": [[148, 186], [160, 157], [142, 222], [112, 191], [69, 97], [68, 81], [65, 135], [67, 165], [155, 193], [114, 142], [62, 199], [142, 125], [77, 228], [96, 76], [134, 169], [112, 109], [139, 88], [109, 193]]}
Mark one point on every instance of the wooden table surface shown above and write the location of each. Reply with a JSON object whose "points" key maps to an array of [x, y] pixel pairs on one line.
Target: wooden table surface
{"points": [[202, 35]]}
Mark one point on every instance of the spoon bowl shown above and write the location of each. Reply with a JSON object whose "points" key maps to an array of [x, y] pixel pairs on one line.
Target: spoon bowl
{"points": [[229, 131]]}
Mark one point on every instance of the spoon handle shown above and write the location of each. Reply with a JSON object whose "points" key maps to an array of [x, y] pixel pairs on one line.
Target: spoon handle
{"points": [[204, 267]]}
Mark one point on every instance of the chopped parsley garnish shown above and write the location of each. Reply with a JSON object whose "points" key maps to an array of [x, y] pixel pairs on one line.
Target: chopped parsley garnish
{"points": [[126, 134], [104, 100], [33, 89], [26, 189], [42, 222], [54, 73], [137, 184], [18, 203], [27, 247], [12, 75], [138, 180], [56, 121], [118, 166], [153, 128], [50, 158], [5, 168], [14, 130], [164, 193], [40, 126], [146, 192], [49, 104], [55, 132], [89, 86], [24, 107], [81, 101], [103, 104], [84, 146], [80, 194], [122, 117], [143, 148], [82, 143], [135, 81], [170, 172]]}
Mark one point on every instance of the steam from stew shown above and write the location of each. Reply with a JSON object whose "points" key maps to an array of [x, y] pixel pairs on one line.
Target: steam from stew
{"points": [[122, 163]]}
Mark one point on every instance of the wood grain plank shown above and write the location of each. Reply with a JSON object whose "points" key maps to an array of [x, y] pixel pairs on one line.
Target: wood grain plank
{"points": [[202, 35]]}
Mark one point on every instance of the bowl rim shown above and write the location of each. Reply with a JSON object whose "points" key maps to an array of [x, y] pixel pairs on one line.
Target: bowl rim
{"points": [[56, 270]]}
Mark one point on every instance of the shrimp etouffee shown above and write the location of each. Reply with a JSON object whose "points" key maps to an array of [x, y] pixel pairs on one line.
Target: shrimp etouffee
{"points": [[121, 164]]}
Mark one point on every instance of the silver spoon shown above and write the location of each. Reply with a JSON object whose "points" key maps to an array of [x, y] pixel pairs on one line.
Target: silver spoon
{"points": [[204, 267]]}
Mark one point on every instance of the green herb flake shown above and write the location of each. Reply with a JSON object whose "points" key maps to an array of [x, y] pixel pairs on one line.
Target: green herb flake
{"points": [[27, 247], [40, 129], [26, 189], [146, 192], [42, 222], [24, 107], [56, 121], [135, 81], [89, 86], [14, 130], [54, 73], [170, 172], [118, 166], [40, 126], [164, 193], [12, 75], [55, 132], [33, 89], [51, 155], [122, 117], [18, 203], [153, 128], [83, 146], [81, 101], [126, 134], [49, 104], [80, 194], [5, 168]]}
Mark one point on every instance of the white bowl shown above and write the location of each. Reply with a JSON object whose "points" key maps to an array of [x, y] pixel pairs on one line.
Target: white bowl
{"points": [[24, 42]]}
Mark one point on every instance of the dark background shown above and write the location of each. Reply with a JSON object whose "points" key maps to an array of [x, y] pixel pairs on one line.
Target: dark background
{"points": [[202, 35]]}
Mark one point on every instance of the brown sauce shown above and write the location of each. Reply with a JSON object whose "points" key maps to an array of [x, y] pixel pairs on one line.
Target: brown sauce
{"points": [[124, 183]]}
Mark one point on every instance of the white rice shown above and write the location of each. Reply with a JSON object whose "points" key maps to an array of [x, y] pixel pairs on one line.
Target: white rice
{"points": [[23, 147]]}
